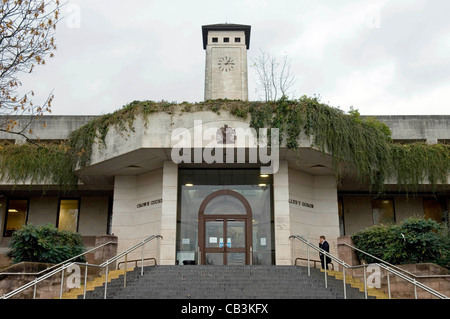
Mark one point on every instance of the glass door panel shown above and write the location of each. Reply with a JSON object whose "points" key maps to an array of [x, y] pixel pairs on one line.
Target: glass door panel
{"points": [[214, 234], [235, 234]]}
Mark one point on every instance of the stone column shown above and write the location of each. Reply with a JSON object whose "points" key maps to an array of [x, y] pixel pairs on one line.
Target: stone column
{"points": [[106, 252], [169, 213], [346, 253], [283, 254]]}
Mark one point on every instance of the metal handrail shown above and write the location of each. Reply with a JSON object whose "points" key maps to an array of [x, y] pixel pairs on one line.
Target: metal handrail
{"points": [[313, 260], [59, 264], [135, 261], [347, 266], [63, 267], [393, 266]]}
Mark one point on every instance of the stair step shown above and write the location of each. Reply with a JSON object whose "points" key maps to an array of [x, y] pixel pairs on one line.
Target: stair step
{"points": [[223, 282]]}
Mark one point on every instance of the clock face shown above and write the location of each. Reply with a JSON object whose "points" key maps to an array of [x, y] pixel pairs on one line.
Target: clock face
{"points": [[225, 64]]}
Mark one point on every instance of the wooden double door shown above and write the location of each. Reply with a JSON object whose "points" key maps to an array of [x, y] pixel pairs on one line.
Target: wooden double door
{"points": [[225, 229]]}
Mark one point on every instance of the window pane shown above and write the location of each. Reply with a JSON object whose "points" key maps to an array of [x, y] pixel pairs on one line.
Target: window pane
{"points": [[433, 209], [236, 234], [17, 215], [214, 259], [383, 211], [68, 215], [236, 258], [225, 205], [214, 234]]}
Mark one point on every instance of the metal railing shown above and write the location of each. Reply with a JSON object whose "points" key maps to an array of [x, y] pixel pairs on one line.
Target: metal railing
{"points": [[54, 266], [388, 269], [395, 267], [65, 266]]}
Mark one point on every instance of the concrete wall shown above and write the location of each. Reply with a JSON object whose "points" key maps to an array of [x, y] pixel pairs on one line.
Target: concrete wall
{"points": [[313, 221], [414, 127], [133, 220], [358, 210]]}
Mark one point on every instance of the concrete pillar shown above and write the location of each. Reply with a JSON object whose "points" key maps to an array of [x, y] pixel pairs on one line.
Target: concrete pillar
{"points": [[346, 253], [106, 252], [169, 213], [282, 216]]}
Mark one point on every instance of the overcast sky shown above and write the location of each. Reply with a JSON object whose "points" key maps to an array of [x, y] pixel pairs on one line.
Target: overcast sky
{"points": [[382, 57]]}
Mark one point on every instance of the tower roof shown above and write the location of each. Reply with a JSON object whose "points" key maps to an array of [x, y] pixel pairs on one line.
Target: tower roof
{"points": [[226, 27]]}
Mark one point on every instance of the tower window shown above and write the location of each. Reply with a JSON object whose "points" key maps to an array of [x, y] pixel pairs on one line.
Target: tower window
{"points": [[215, 40], [226, 40], [237, 40]]}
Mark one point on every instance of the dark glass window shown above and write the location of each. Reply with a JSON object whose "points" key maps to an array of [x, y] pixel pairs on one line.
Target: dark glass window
{"points": [[383, 211], [226, 39], [215, 40], [237, 40], [16, 216]]}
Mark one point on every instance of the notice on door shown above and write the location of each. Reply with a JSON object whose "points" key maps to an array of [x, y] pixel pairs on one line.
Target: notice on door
{"points": [[213, 240]]}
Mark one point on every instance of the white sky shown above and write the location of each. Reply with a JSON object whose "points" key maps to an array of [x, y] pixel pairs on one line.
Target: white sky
{"points": [[382, 57]]}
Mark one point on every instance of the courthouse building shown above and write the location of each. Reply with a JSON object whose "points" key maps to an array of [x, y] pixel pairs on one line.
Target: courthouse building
{"points": [[212, 213]]}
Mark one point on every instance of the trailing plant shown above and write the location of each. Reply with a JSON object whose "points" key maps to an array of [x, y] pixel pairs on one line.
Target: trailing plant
{"points": [[414, 240], [45, 244], [49, 164]]}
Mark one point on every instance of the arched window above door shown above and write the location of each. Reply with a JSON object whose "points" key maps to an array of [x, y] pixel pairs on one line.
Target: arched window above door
{"points": [[225, 205]]}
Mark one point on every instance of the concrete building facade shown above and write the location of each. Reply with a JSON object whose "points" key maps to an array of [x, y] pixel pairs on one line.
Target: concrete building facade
{"points": [[212, 213]]}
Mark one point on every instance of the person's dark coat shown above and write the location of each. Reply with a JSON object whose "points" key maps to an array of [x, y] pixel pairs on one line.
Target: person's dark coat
{"points": [[325, 246]]}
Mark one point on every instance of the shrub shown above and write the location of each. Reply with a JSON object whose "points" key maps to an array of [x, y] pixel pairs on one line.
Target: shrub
{"points": [[45, 244], [415, 240]]}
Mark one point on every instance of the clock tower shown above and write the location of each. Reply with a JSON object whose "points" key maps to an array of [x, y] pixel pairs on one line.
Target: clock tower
{"points": [[226, 48]]}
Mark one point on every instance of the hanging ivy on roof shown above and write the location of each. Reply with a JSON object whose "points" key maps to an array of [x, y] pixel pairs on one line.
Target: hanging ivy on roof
{"points": [[33, 164], [356, 144]]}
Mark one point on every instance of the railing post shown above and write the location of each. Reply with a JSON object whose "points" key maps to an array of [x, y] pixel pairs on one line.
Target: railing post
{"points": [[415, 289], [345, 288], [85, 279], [389, 284], [142, 260], [106, 279], [34, 288], [125, 272], [365, 282], [309, 266], [325, 268], [62, 283]]}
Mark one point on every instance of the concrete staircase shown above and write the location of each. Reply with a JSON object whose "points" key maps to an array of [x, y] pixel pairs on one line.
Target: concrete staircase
{"points": [[223, 282]]}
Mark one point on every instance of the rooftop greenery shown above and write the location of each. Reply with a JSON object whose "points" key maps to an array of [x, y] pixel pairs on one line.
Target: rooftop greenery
{"points": [[356, 143]]}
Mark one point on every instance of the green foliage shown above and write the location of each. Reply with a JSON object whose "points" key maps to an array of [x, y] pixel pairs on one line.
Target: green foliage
{"points": [[358, 145], [30, 163], [45, 244], [415, 240]]}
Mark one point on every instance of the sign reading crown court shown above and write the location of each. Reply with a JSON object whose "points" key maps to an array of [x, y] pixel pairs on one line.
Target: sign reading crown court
{"points": [[149, 203], [301, 203]]}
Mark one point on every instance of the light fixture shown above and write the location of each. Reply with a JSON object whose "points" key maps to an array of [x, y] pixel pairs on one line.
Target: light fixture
{"points": [[264, 175], [261, 185], [13, 210], [189, 185]]}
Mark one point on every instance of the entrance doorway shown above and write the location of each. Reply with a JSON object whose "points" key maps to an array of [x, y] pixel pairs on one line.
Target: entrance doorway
{"points": [[225, 229]]}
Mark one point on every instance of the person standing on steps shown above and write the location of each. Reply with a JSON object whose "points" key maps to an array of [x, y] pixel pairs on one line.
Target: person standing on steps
{"points": [[325, 246]]}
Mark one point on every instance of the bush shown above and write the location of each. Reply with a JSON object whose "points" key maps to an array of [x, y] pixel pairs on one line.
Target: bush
{"points": [[415, 240], [45, 244]]}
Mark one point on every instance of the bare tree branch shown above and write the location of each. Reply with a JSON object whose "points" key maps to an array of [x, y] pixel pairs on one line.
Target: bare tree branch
{"points": [[272, 76], [27, 29]]}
